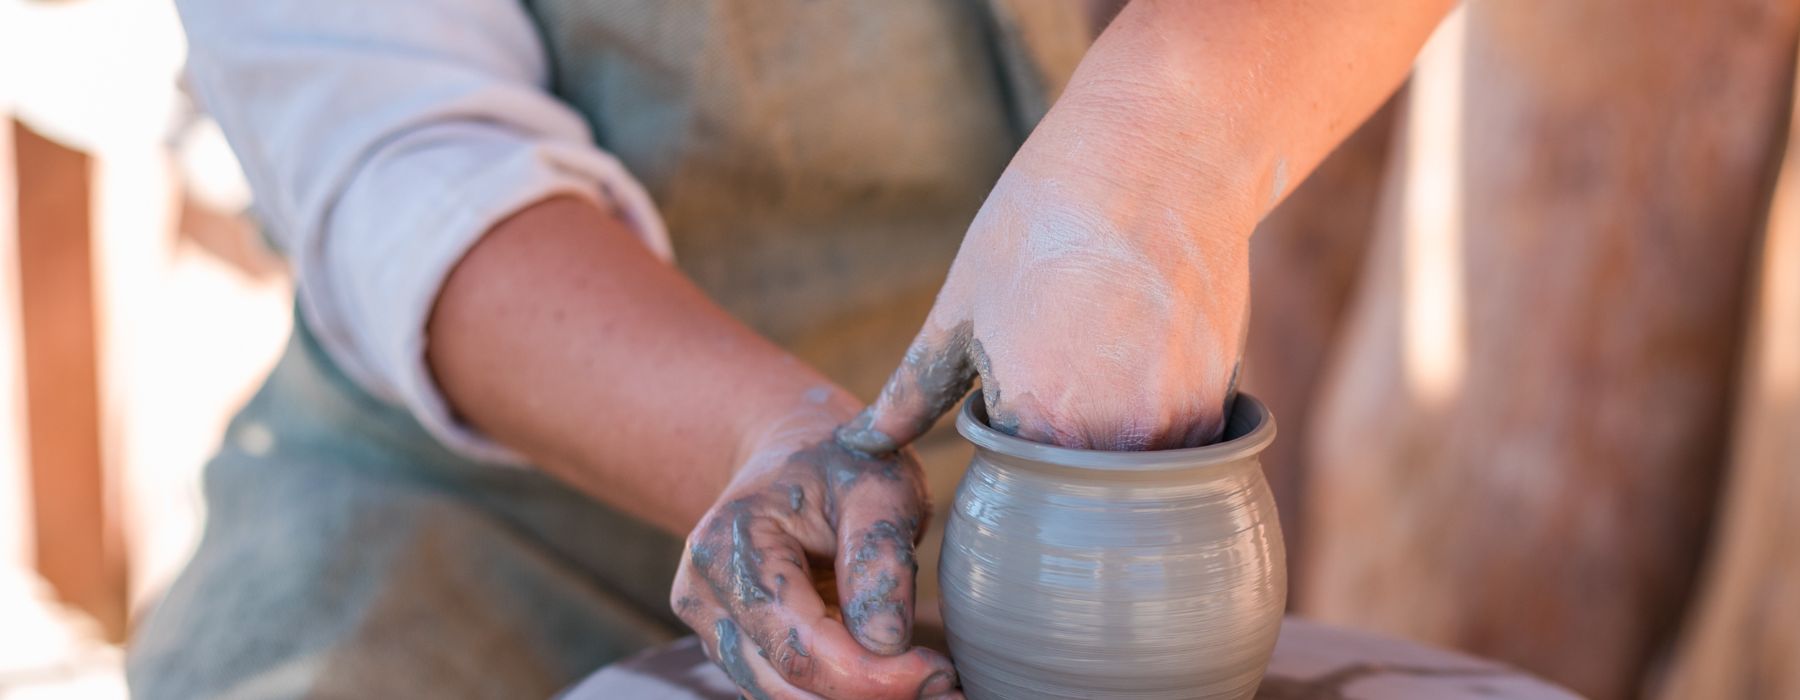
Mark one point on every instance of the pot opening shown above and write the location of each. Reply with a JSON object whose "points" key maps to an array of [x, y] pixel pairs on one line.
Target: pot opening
{"points": [[1248, 431]]}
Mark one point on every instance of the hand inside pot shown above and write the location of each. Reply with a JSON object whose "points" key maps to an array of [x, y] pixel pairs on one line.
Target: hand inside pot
{"points": [[804, 524], [1101, 295]]}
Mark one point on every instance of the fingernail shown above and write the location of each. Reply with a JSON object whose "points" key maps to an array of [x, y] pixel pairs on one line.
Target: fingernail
{"points": [[938, 685], [884, 633]]}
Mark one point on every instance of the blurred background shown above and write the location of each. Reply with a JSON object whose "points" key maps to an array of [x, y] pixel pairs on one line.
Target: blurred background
{"points": [[1532, 334], [137, 310]]}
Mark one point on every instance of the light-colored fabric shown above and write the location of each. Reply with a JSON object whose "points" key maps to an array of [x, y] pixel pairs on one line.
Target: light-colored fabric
{"points": [[382, 138], [817, 161]]}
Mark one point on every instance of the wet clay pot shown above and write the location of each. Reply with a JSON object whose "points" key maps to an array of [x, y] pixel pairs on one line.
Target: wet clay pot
{"points": [[1090, 574]]}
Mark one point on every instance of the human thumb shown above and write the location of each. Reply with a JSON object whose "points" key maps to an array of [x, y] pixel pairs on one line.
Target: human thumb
{"points": [[938, 370]]}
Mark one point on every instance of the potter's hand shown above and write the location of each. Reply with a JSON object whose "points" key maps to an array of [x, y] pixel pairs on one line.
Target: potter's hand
{"points": [[1102, 291], [759, 572], [1101, 308]]}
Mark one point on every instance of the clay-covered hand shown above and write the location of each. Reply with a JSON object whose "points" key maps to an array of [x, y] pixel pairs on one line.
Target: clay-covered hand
{"points": [[1100, 295], [806, 523]]}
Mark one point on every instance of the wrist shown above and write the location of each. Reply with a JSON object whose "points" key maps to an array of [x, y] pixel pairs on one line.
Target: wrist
{"points": [[1114, 185], [805, 410], [1147, 111]]}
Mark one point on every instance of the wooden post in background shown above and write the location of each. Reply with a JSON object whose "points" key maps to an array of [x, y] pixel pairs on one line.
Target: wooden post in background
{"points": [[1742, 639], [15, 509], [1519, 444], [76, 539]]}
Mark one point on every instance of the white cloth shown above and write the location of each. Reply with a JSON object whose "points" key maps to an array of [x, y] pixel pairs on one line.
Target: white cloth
{"points": [[382, 138]]}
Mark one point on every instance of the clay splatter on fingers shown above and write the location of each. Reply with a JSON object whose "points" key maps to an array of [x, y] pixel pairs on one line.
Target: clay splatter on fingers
{"points": [[841, 469], [731, 658], [780, 587], [790, 657], [876, 614], [876, 611], [793, 643], [746, 560], [933, 376], [701, 556], [742, 570], [999, 418], [943, 374], [894, 536]]}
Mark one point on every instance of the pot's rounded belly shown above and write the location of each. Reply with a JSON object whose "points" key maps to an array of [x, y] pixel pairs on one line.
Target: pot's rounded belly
{"points": [[1154, 586]]}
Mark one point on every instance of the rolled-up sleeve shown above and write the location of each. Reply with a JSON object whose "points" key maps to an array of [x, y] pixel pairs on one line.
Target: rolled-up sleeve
{"points": [[382, 139]]}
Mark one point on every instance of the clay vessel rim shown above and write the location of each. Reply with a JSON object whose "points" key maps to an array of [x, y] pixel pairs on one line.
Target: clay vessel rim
{"points": [[971, 421]]}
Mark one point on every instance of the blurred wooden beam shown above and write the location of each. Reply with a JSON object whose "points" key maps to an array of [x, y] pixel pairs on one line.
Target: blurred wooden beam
{"points": [[15, 512], [1743, 637], [76, 540], [1520, 447]]}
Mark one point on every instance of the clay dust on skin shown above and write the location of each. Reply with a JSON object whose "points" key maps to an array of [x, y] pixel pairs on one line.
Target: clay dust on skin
{"points": [[1277, 185], [1163, 275], [731, 658]]}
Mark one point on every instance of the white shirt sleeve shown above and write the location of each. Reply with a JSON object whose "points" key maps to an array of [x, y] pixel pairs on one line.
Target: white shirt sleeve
{"points": [[382, 139]]}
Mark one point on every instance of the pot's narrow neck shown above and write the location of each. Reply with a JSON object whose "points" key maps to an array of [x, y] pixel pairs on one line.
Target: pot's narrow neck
{"points": [[1248, 431], [1027, 468]]}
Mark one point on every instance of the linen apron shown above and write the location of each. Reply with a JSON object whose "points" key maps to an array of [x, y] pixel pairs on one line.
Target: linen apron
{"points": [[817, 163]]}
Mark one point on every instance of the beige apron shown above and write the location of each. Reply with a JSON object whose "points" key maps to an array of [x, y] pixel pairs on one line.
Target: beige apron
{"points": [[817, 162]]}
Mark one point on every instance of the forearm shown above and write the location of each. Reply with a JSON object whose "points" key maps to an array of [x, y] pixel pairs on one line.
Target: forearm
{"points": [[1118, 239], [562, 337], [1229, 105]]}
